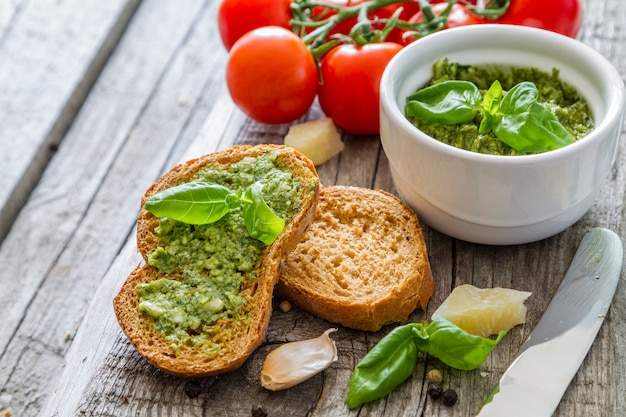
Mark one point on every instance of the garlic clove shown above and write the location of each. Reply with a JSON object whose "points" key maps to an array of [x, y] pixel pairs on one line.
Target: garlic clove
{"points": [[295, 362]]}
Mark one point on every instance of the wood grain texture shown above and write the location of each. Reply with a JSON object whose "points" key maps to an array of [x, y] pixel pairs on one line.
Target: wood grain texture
{"points": [[161, 99], [80, 215], [51, 54]]}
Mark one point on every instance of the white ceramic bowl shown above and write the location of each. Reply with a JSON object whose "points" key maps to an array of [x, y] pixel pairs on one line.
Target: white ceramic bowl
{"points": [[491, 199]]}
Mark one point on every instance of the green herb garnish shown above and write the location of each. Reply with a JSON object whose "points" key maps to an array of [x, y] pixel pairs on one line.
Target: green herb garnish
{"points": [[261, 222], [200, 202], [393, 359], [515, 117]]}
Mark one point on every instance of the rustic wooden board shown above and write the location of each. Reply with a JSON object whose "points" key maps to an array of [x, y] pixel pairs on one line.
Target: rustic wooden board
{"points": [[51, 52], [160, 100]]}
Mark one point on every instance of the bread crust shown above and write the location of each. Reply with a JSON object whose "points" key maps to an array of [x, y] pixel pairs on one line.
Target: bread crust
{"points": [[187, 361], [362, 263]]}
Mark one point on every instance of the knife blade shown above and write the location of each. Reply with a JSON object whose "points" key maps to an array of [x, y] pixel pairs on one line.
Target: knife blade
{"points": [[535, 382]]}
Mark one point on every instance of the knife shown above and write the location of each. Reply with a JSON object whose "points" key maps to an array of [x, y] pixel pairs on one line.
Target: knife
{"points": [[546, 363]]}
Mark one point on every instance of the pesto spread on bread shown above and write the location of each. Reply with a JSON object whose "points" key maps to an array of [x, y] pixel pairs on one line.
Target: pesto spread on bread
{"points": [[213, 259]]}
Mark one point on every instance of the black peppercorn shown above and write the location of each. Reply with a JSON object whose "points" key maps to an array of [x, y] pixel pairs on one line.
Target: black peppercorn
{"points": [[193, 389], [449, 397], [258, 411], [434, 391]]}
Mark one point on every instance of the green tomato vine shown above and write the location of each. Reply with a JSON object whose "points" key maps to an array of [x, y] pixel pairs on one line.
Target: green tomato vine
{"points": [[315, 29]]}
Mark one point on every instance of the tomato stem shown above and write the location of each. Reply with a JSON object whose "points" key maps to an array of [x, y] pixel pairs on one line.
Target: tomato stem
{"points": [[301, 11], [492, 9], [314, 20]]}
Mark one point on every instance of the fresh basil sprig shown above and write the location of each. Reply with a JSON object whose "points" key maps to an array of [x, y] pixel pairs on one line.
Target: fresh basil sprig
{"points": [[200, 202], [393, 359], [516, 118]]}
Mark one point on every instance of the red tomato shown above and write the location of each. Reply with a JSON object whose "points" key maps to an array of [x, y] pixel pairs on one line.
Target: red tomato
{"points": [[237, 17], [271, 75], [562, 16], [350, 89]]}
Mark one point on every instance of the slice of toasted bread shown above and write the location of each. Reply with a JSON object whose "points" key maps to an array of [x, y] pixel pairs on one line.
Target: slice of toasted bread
{"points": [[362, 262], [230, 340]]}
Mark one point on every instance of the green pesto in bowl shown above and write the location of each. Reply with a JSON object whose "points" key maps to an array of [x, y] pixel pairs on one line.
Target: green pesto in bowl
{"points": [[561, 99]]}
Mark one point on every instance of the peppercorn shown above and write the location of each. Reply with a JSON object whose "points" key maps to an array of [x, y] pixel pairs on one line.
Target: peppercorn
{"points": [[434, 376], [258, 411], [449, 397], [193, 389], [284, 306], [434, 391]]}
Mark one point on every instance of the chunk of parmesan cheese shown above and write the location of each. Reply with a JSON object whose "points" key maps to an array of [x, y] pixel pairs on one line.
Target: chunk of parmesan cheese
{"points": [[484, 311], [318, 140]]}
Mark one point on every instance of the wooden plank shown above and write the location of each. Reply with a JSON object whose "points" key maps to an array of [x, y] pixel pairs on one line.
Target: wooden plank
{"points": [[597, 385], [105, 337], [89, 149], [50, 54], [142, 104]]}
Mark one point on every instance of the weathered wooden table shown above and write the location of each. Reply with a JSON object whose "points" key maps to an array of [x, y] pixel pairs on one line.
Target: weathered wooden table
{"points": [[97, 99]]}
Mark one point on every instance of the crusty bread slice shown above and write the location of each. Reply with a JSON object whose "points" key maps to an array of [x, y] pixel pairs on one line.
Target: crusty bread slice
{"points": [[237, 340], [362, 262]]}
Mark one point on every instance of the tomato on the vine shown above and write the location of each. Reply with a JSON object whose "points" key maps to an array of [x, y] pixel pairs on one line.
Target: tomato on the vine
{"points": [[562, 16], [350, 88], [377, 17], [459, 15], [323, 12], [271, 75], [237, 17], [409, 8], [344, 27]]}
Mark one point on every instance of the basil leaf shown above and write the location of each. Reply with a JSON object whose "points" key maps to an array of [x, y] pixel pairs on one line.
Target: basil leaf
{"points": [[519, 98], [457, 348], [534, 131], [195, 202], [526, 125], [262, 223], [449, 102], [384, 367], [491, 106], [199, 202], [392, 360], [493, 97]]}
